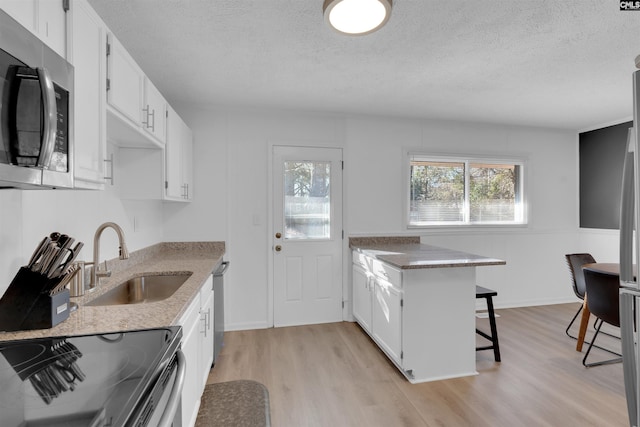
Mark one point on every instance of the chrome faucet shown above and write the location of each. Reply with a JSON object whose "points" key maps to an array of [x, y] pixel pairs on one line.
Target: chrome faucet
{"points": [[96, 273]]}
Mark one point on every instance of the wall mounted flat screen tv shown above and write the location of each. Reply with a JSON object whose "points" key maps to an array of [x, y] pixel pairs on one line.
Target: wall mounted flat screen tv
{"points": [[601, 159]]}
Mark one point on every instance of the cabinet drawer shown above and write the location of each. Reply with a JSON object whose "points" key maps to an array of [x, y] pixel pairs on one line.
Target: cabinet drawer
{"points": [[207, 289], [361, 260], [386, 272], [192, 314]]}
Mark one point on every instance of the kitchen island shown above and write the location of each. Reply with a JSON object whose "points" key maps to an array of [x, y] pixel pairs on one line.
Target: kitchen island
{"points": [[417, 302]]}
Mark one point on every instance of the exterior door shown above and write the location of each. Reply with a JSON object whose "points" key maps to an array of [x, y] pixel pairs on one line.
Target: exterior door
{"points": [[307, 235]]}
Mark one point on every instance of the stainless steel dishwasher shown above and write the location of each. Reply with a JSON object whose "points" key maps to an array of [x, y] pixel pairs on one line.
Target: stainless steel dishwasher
{"points": [[218, 309]]}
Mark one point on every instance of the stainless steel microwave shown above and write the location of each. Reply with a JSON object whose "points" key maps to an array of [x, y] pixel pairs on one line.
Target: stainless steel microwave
{"points": [[36, 111]]}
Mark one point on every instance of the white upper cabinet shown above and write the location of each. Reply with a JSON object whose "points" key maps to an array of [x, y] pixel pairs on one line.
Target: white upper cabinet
{"points": [[125, 81], [87, 35], [154, 111], [44, 18], [178, 159], [52, 25], [136, 109]]}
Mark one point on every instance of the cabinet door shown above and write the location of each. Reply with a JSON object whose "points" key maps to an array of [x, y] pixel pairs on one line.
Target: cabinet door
{"points": [[362, 297], [174, 180], [387, 319], [44, 18], [23, 11], [187, 163], [125, 88], [154, 111], [192, 389], [52, 25], [206, 332], [88, 46]]}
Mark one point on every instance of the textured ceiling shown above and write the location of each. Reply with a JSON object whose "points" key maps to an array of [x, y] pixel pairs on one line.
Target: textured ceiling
{"points": [[563, 64]]}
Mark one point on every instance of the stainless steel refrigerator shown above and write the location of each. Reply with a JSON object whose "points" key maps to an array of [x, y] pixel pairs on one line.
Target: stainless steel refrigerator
{"points": [[630, 257]]}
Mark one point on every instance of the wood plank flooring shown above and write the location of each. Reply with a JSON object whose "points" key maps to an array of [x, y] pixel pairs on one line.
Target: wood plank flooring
{"points": [[334, 375]]}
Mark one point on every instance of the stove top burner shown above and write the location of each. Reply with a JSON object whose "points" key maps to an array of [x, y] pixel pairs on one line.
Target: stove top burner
{"points": [[97, 377]]}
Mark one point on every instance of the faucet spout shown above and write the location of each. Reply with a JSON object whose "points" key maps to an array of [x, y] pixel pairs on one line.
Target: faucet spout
{"points": [[122, 250]]}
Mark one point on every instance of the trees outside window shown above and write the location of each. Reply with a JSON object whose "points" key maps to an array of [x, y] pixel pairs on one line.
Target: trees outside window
{"points": [[465, 191]]}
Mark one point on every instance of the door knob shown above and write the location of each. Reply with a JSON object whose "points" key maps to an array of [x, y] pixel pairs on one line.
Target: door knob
{"points": [[278, 248], [278, 235]]}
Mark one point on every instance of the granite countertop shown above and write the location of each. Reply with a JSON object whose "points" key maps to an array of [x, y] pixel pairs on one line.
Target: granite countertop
{"points": [[408, 253], [199, 258]]}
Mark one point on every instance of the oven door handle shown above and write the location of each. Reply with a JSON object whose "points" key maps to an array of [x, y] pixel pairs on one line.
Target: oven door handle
{"points": [[174, 398], [50, 116]]}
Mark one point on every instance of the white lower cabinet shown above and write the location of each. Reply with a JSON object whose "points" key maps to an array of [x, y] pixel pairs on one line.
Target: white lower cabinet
{"points": [[206, 332], [387, 318], [362, 297], [423, 319], [197, 346], [377, 304]]}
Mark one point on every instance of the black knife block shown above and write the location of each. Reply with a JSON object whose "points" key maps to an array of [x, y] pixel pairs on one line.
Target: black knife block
{"points": [[27, 304]]}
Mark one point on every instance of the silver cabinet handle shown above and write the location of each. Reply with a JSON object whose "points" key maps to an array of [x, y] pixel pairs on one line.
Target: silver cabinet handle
{"points": [[145, 122], [207, 321], [150, 113], [50, 115], [627, 212], [109, 177], [153, 120]]}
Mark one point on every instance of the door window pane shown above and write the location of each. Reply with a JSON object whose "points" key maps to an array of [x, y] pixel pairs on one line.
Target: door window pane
{"points": [[307, 200]]}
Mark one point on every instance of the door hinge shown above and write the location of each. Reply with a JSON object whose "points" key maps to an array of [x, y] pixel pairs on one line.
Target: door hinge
{"points": [[65, 5], [108, 49], [402, 303], [342, 234], [342, 161], [166, 185], [343, 304], [402, 355], [108, 84]]}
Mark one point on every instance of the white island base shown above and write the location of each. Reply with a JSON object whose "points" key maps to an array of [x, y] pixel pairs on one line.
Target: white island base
{"points": [[422, 318]]}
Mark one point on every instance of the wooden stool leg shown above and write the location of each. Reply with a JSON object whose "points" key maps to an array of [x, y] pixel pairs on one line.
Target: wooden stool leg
{"points": [[494, 329]]}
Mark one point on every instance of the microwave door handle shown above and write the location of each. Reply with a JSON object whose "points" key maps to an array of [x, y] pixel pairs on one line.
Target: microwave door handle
{"points": [[50, 112]]}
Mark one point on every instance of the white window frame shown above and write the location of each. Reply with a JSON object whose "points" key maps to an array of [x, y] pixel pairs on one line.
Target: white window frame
{"points": [[467, 159]]}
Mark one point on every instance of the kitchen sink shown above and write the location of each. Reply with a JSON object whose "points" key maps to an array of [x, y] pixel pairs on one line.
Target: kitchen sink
{"points": [[142, 289]]}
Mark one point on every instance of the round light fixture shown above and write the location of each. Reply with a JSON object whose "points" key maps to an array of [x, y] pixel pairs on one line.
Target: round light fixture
{"points": [[356, 17]]}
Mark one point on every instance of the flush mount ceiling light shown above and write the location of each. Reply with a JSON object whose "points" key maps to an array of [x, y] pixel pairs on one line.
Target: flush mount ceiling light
{"points": [[356, 17]]}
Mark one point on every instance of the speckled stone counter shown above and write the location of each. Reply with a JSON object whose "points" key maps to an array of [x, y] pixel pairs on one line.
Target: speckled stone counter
{"points": [[198, 258], [408, 253]]}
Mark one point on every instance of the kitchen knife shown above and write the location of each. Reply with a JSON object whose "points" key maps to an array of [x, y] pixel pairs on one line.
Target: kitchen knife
{"points": [[64, 243], [38, 252], [46, 257], [73, 270], [63, 268]]}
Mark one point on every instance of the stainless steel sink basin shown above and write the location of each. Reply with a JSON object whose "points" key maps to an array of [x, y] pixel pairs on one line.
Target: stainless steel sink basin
{"points": [[143, 289]]}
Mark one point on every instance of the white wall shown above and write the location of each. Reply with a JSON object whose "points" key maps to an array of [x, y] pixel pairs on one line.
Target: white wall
{"points": [[231, 167], [232, 164], [27, 216]]}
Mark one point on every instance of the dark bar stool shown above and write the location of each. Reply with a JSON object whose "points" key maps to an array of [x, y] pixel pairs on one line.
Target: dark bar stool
{"points": [[488, 294]]}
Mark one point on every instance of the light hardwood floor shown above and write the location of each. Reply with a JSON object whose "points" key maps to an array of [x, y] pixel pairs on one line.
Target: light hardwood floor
{"points": [[334, 375]]}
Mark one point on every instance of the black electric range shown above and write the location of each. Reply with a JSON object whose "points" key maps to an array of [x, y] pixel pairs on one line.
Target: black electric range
{"points": [[115, 379]]}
